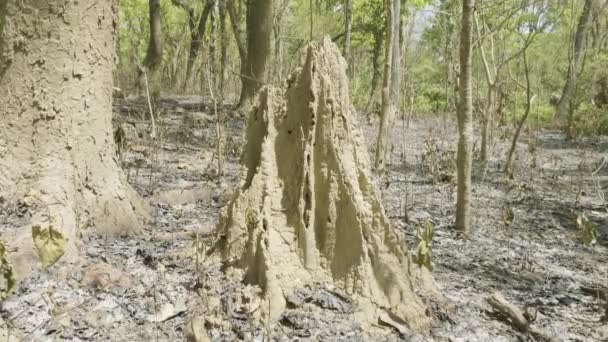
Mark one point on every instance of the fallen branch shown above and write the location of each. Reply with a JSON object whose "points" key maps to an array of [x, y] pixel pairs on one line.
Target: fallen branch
{"points": [[596, 291], [518, 319]]}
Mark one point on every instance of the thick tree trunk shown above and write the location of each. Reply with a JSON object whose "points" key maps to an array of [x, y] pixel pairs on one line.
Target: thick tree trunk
{"points": [[196, 40], [565, 104], [392, 84], [154, 53], [259, 34], [56, 143], [465, 121], [348, 9]]}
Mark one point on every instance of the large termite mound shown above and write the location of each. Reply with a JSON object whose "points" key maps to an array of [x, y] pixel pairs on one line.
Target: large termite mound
{"points": [[307, 210]]}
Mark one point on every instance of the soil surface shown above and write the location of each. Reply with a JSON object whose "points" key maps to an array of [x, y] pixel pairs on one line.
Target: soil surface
{"points": [[525, 243]]}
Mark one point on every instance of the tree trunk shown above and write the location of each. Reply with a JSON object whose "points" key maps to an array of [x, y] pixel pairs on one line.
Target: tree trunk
{"points": [[58, 155], [213, 46], [507, 168], [465, 121], [376, 69], [278, 41], [565, 101], [196, 40], [224, 48], [488, 113], [348, 8], [259, 34], [241, 42], [391, 91], [154, 54]]}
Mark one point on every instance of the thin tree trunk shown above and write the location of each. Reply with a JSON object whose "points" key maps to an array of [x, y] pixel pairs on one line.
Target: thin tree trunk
{"points": [[278, 41], [259, 34], [564, 104], [376, 69], [223, 48], [348, 8], [465, 121], [213, 45], [507, 168], [391, 91], [488, 114], [56, 125], [154, 53], [196, 40], [241, 43]]}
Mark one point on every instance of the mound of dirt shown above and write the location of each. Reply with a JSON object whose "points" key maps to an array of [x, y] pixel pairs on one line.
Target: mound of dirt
{"points": [[307, 209]]}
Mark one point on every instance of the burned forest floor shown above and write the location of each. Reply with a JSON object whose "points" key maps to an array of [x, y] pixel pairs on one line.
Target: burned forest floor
{"points": [[525, 242]]}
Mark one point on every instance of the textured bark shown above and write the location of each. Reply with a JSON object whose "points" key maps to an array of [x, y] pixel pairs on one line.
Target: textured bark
{"points": [[56, 144], [392, 84], [565, 105], [307, 210], [465, 121], [154, 53], [259, 34]]}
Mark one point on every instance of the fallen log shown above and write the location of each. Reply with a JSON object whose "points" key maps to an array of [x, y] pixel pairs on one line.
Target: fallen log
{"points": [[518, 319]]}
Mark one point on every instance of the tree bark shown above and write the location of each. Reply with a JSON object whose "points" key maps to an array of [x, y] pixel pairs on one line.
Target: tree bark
{"points": [[259, 34], [154, 53], [56, 146], [465, 121], [565, 105], [391, 91]]}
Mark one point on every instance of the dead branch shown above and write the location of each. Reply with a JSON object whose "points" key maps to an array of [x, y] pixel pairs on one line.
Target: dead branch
{"points": [[520, 320]]}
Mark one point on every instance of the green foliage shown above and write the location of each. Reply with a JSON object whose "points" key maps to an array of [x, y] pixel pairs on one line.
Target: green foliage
{"points": [[424, 249], [7, 284], [508, 215], [591, 120], [588, 230], [49, 243]]}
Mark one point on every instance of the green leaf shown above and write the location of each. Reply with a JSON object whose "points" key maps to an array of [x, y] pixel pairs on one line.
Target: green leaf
{"points": [[49, 243], [7, 278], [587, 228]]}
